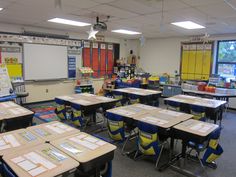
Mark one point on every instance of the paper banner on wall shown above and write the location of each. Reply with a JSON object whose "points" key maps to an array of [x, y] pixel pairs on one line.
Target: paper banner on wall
{"points": [[5, 84], [95, 59], [71, 67], [15, 70], [110, 59], [103, 59], [86, 55]]}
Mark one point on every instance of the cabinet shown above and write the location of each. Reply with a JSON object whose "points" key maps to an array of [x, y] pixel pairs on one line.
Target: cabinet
{"points": [[196, 61]]}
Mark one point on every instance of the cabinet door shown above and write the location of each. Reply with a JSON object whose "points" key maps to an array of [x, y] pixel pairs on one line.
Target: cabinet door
{"points": [[192, 62], [206, 63], [185, 56]]}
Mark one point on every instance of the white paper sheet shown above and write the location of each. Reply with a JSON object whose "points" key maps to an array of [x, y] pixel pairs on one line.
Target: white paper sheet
{"points": [[11, 139], [145, 107], [14, 111], [81, 136], [5, 147], [84, 143], [2, 143], [101, 143], [171, 113], [37, 171], [18, 159], [91, 139], [37, 159], [82, 102], [26, 165], [55, 129], [70, 148]]}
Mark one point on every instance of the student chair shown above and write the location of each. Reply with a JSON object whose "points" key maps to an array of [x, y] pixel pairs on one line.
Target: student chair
{"points": [[198, 112], [7, 171], [172, 105], [212, 147], [133, 99], [118, 96], [76, 116], [60, 109], [118, 130], [148, 142]]}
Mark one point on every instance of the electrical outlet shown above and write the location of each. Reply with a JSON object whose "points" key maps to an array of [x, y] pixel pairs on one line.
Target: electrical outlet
{"points": [[46, 90]]}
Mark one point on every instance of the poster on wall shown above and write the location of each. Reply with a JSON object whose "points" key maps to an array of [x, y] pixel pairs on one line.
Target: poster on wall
{"points": [[71, 67], [5, 84]]}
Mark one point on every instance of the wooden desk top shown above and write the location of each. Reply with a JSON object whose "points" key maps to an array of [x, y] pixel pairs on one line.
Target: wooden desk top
{"points": [[132, 110], [138, 91], [209, 93], [17, 139], [163, 118], [83, 147], [50, 131], [196, 127], [86, 99], [210, 103], [10, 110], [41, 161]]}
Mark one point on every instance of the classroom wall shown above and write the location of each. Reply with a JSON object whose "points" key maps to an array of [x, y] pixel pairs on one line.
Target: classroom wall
{"points": [[42, 91], [163, 55]]}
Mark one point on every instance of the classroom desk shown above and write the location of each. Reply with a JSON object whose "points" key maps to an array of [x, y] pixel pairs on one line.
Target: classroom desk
{"points": [[42, 161], [88, 102], [14, 116], [190, 130], [214, 108], [90, 152], [218, 96], [17, 139], [52, 130], [145, 95]]}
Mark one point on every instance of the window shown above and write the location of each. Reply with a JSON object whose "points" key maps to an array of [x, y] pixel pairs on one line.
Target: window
{"points": [[226, 59]]}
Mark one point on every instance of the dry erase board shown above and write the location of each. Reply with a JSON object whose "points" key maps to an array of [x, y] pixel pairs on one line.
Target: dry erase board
{"points": [[45, 62]]}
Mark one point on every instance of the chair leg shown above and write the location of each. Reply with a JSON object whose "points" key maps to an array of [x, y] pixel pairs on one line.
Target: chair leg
{"points": [[159, 156], [124, 145]]}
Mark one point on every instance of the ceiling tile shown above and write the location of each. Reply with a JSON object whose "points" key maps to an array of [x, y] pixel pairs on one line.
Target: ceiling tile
{"points": [[113, 11]]}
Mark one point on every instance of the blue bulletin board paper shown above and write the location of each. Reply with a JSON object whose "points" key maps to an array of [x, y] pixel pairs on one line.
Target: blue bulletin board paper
{"points": [[71, 67]]}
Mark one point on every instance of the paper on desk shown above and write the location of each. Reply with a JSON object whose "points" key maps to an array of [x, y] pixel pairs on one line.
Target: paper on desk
{"points": [[155, 120], [151, 91], [205, 128], [42, 132], [28, 136], [55, 129], [14, 111], [18, 159], [37, 171], [87, 94], [103, 98], [84, 143], [171, 113], [5, 147], [26, 165], [101, 143], [81, 136], [38, 159], [11, 139], [21, 110], [80, 101], [91, 139], [196, 127], [2, 143], [145, 107], [54, 154], [70, 148]]}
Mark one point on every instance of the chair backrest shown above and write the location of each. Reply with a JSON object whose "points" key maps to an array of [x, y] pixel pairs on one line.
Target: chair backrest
{"points": [[172, 105], [133, 98], [77, 115], [198, 112], [115, 124], [148, 140]]}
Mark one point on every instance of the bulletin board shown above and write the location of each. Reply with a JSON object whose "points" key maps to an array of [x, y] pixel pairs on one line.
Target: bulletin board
{"points": [[95, 60], [5, 84]]}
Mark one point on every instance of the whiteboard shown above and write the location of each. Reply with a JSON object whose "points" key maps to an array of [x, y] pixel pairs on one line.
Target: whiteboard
{"points": [[45, 62]]}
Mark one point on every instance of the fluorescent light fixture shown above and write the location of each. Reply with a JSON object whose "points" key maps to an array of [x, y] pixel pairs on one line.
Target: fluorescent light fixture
{"points": [[188, 25], [68, 22], [1, 8], [123, 31]]}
